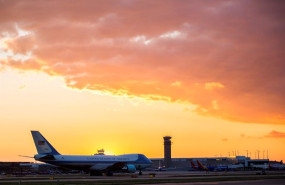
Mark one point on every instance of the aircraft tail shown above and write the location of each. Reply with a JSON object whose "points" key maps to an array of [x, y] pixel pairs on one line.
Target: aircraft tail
{"points": [[201, 165], [193, 165], [42, 145]]}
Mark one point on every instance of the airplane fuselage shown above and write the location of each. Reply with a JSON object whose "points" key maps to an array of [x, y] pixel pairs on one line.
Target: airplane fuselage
{"points": [[95, 162]]}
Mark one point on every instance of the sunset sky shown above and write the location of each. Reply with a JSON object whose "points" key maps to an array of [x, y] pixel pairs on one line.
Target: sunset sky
{"points": [[122, 74]]}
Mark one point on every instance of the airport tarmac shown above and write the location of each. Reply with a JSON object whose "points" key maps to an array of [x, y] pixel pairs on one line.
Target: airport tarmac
{"points": [[252, 182], [169, 178]]}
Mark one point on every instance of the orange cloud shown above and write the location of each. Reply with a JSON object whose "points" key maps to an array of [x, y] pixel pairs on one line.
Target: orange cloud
{"points": [[276, 134], [208, 53], [213, 85]]}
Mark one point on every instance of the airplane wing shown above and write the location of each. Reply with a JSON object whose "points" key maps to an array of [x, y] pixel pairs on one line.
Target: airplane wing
{"points": [[117, 166], [108, 166], [47, 157]]}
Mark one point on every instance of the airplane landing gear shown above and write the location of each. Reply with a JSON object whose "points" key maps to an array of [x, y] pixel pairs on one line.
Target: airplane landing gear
{"points": [[109, 173], [95, 173], [140, 170]]}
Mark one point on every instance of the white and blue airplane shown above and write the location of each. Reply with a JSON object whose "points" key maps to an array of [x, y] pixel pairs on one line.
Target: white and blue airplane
{"points": [[95, 164]]}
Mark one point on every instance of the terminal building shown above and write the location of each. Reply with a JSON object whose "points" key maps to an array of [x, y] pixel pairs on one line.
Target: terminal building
{"points": [[231, 163]]}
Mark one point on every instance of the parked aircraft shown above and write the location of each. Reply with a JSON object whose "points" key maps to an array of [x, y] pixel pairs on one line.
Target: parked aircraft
{"points": [[34, 165], [274, 165], [160, 168], [95, 164], [201, 166], [235, 166], [194, 166], [208, 168]]}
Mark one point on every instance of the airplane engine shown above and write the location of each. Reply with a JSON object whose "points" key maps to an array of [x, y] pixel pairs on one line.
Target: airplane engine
{"points": [[131, 168]]}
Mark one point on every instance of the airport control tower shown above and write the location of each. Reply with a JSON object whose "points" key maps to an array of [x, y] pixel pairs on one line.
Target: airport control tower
{"points": [[167, 151]]}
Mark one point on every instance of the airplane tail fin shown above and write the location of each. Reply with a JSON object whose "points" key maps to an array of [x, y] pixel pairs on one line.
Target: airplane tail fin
{"points": [[193, 165], [42, 145], [201, 165]]}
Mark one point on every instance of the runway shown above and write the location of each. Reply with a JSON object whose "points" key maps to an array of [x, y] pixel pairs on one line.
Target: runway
{"points": [[169, 178], [252, 182]]}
